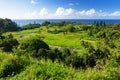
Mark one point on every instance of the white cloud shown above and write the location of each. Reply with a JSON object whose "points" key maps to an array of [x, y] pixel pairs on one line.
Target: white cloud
{"points": [[70, 13], [33, 2], [116, 13], [82, 13], [60, 11], [64, 12], [43, 12], [90, 12]]}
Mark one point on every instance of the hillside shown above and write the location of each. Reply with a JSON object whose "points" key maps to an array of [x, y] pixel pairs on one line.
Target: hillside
{"points": [[72, 51]]}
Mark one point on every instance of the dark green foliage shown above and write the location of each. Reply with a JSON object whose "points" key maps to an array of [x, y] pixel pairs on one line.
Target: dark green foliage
{"points": [[30, 26], [32, 44], [101, 54], [1, 36], [86, 27], [42, 53], [86, 44], [59, 24], [8, 43], [8, 25], [94, 55], [115, 34], [1, 25], [70, 28], [116, 26], [100, 23], [58, 54], [118, 60], [101, 34], [12, 66], [75, 61], [47, 54], [66, 53], [90, 61], [66, 57], [46, 23]]}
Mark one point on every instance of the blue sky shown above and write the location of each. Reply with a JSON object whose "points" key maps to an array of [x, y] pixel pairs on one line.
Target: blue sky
{"points": [[60, 9]]}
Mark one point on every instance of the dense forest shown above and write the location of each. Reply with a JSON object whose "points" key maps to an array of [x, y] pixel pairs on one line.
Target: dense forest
{"points": [[59, 51]]}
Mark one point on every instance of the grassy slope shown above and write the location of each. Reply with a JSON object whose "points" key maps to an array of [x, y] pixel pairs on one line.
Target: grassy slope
{"points": [[39, 70], [70, 40]]}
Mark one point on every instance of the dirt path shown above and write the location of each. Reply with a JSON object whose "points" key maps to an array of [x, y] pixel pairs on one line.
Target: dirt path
{"points": [[61, 48]]}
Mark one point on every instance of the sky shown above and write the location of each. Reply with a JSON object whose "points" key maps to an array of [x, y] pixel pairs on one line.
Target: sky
{"points": [[60, 9]]}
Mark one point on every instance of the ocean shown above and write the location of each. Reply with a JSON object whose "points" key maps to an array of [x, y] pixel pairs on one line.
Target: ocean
{"points": [[24, 22]]}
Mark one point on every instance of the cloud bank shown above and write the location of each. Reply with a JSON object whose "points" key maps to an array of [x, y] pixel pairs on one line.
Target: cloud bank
{"points": [[70, 13]]}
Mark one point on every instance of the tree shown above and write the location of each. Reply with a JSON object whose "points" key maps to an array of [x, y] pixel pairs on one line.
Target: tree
{"points": [[46, 23], [1, 25], [30, 26], [9, 25]]}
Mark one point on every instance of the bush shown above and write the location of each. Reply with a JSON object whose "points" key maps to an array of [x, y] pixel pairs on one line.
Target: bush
{"points": [[42, 53], [30, 26], [118, 60], [90, 61], [8, 43], [70, 28], [12, 66], [66, 53], [75, 61], [32, 44], [47, 54], [46, 23]]}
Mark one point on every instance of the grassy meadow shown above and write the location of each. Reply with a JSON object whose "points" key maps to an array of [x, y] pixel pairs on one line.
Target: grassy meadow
{"points": [[95, 53]]}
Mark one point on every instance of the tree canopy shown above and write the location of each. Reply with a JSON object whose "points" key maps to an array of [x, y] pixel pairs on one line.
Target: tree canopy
{"points": [[8, 25]]}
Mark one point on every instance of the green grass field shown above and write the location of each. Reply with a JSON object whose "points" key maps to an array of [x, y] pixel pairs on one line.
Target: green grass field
{"points": [[48, 70], [68, 40]]}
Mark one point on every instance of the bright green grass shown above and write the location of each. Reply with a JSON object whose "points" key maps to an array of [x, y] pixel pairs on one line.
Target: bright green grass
{"points": [[70, 40]]}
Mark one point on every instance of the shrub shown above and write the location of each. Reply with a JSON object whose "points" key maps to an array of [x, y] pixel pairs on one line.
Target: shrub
{"points": [[8, 43], [42, 53], [90, 61], [30, 26], [70, 28], [75, 61], [12, 66], [66, 53], [47, 54], [46, 23], [118, 60], [33, 44]]}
